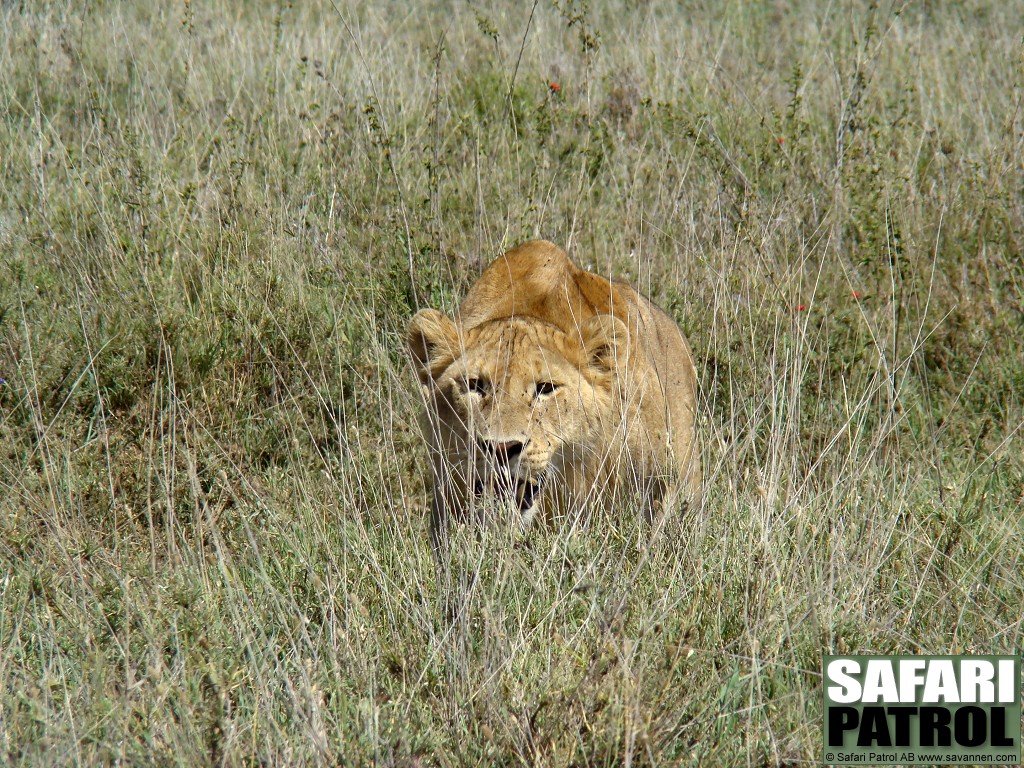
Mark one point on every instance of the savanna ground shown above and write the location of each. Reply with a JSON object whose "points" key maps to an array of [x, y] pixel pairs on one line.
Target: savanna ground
{"points": [[215, 222]]}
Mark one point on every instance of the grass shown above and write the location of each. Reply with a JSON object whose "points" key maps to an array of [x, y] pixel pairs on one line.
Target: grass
{"points": [[215, 222]]}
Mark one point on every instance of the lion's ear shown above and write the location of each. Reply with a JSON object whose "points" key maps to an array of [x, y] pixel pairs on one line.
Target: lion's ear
{"points": [[606, 341], [433, 340]]}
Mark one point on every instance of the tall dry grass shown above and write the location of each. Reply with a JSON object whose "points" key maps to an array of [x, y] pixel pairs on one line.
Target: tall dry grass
{"points": [[215, 221]]}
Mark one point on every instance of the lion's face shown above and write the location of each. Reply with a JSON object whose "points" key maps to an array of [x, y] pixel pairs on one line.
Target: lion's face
{"points": [[516, 401]]}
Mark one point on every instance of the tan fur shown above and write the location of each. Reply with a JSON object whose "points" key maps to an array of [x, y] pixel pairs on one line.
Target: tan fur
{"points": [[620, 415]]}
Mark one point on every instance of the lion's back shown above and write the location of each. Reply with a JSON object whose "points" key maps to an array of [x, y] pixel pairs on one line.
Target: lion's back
{"points": [[538, 279]]}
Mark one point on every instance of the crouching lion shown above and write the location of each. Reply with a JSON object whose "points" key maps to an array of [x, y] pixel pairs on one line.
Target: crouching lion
{"points": [[551, 390]]}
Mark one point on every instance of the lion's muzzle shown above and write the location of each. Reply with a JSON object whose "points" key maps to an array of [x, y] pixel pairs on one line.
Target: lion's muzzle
{"points": [[502, 475], [503, 451]]}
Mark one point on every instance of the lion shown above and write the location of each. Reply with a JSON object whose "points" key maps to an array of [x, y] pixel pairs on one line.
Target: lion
{"points": [[551, 390]]}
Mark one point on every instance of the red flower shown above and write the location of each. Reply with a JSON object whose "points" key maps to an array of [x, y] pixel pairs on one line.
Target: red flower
{"points": [[856, 294], [801, 307], [555, 87]]}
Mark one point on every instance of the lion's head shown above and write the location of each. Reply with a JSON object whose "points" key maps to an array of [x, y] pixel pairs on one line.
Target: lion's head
{"points": [[515, 404]]}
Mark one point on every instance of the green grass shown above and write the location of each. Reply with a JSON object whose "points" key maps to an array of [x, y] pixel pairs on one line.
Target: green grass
{"points": [[215, 222]]}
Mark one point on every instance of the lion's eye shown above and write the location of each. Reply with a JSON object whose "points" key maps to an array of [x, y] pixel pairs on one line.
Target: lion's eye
{"points": [[545, 387], [476, 386]]}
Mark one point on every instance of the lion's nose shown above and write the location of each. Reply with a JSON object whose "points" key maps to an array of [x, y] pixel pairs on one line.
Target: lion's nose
{"points": [[504, 450]]}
